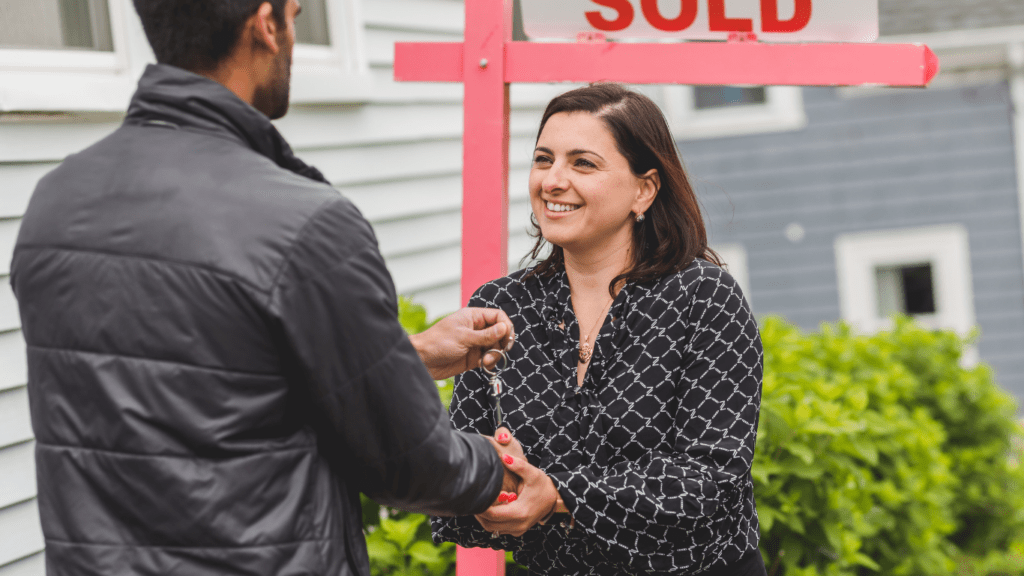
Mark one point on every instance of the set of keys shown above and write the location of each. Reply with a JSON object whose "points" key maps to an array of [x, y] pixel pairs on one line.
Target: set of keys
{"points": [[496, 385], [495, 395]]}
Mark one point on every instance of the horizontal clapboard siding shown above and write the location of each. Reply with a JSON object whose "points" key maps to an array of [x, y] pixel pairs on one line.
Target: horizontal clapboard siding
{"points": [[24, 541], [32, 565], [883, 161]]}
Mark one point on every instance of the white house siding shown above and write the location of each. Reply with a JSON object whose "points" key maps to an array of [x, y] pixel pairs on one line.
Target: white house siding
{"points": [[398, 156]]}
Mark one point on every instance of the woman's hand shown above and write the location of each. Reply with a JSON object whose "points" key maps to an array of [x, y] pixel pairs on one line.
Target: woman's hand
{"points": [[504, 443], [537, 498]]}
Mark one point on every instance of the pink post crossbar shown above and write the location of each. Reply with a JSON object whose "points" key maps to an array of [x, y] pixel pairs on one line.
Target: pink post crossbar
{"points": [[487, 61]]}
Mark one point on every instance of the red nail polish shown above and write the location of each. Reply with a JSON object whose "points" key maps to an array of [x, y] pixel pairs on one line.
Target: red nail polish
{"points": [[502, 437], [503, 498], [513, 497], [507, 459]]}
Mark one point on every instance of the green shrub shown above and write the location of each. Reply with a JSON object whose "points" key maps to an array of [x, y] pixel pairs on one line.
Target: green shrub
{"points": [[883, 454]]}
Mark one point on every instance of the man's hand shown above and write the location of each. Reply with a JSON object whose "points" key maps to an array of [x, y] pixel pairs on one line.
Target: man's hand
{"points": [[461, 340], [536, 500]]}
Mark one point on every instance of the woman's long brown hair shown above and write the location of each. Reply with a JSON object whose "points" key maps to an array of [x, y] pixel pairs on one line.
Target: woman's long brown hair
{"points": [[672, 234]]}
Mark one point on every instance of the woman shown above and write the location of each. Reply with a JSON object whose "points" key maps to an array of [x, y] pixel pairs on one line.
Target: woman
{"points": [[633, 390]]}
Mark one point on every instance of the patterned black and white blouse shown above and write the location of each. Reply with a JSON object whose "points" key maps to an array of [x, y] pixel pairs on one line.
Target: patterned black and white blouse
{"points": [[652, 455]]}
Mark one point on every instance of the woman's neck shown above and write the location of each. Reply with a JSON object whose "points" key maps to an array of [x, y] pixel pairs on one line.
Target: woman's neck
{"points": [[590, 273]]}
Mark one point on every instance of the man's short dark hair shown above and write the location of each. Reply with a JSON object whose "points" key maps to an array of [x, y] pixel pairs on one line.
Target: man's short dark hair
{"points": [[197, 34]]}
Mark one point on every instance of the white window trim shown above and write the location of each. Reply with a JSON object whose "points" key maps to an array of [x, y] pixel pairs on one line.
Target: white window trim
{"points": [[81, 81], [735, 258], [72, 60], [339, 72], [71, 80], [945, 247], [782, 111]]}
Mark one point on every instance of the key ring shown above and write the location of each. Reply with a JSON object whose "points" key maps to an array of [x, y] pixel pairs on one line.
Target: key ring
{"points": [[504, 363], [495, 382]]}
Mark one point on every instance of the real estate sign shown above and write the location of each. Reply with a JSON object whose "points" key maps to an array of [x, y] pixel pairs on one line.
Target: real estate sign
{"points": [[768, 20]]}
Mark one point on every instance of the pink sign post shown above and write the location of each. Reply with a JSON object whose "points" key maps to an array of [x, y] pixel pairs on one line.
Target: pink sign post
{"points": [[488, 61]]}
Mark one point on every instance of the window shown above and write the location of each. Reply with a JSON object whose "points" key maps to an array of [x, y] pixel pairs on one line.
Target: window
{"points": [[922, 272], [718, 111], [905, 289], [311, 25], [709, 97], [56, 24], [330, 62], [65, 56]]}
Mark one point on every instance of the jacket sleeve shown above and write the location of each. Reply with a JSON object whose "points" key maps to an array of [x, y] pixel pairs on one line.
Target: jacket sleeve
{"points": [[657, 513], [375, 408]]}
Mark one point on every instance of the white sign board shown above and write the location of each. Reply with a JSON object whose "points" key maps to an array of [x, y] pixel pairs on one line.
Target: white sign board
{"points": [[769, 20]]}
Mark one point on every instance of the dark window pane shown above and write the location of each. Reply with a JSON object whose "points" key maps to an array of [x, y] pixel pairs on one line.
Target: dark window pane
{"points": [[311, 25], [907, 289], [918, 290], [55, 24], [725, 96], [518, 32]]}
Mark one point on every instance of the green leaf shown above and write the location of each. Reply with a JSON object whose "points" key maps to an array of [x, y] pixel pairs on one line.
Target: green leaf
{"points": [[801, 451], [382, 551], [863, 560], [808, 472], [423, 552], [865, 449], [402, 532], [412, 317]]}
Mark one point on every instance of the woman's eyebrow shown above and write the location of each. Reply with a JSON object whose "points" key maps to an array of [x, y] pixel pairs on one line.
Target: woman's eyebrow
{"points": [[579, 151], [576, 152]]}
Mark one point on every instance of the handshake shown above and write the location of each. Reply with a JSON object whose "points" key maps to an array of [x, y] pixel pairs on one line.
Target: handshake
{"points": [[467, 339], [528, 496]]}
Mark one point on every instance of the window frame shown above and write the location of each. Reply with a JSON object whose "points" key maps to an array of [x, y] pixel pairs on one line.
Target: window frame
{"points": [[73, 60], [86, 81], [782, 111], [53, 80], [945, 247], [340, 71]]}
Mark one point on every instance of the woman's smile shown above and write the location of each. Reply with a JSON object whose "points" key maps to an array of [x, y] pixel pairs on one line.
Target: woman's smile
{"points": [[560, 209]]}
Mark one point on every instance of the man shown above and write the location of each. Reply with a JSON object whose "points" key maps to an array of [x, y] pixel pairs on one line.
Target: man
{"points": [[216, 367]]}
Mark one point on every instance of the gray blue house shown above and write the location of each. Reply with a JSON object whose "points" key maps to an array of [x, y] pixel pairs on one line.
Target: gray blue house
{"points": [[842, 203]]}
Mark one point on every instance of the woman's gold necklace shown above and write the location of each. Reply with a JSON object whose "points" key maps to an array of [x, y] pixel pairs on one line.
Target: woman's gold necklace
{"points": [[586, 350]]}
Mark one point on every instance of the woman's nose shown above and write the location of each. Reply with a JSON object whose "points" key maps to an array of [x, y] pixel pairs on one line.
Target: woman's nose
{"points": [[554, 179]]}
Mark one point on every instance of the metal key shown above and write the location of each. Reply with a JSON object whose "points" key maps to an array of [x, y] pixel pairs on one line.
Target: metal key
{"points": [[496, 386], [499, 419]]}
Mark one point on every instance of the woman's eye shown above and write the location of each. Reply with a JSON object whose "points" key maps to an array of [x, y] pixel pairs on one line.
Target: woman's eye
{"points": [[584, 163], [542, 160]]}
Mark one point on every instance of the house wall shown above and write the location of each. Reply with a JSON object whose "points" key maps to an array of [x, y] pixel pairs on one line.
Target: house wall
{"points": [[398, 156], [887, 159]]}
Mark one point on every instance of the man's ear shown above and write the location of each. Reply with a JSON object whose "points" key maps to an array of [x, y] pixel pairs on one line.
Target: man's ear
{"points": [[263, 26], [650, 184]]}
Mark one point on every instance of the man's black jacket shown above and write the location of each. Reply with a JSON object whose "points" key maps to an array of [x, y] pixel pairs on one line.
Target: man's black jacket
{"points": [[215, 364]]}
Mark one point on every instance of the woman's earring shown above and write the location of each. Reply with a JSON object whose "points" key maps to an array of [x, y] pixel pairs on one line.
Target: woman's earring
{"points": [[640, 218]]}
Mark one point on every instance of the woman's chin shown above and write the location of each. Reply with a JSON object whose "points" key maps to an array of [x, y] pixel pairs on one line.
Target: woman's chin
{"points": [[571, 246], [559, 237]]}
